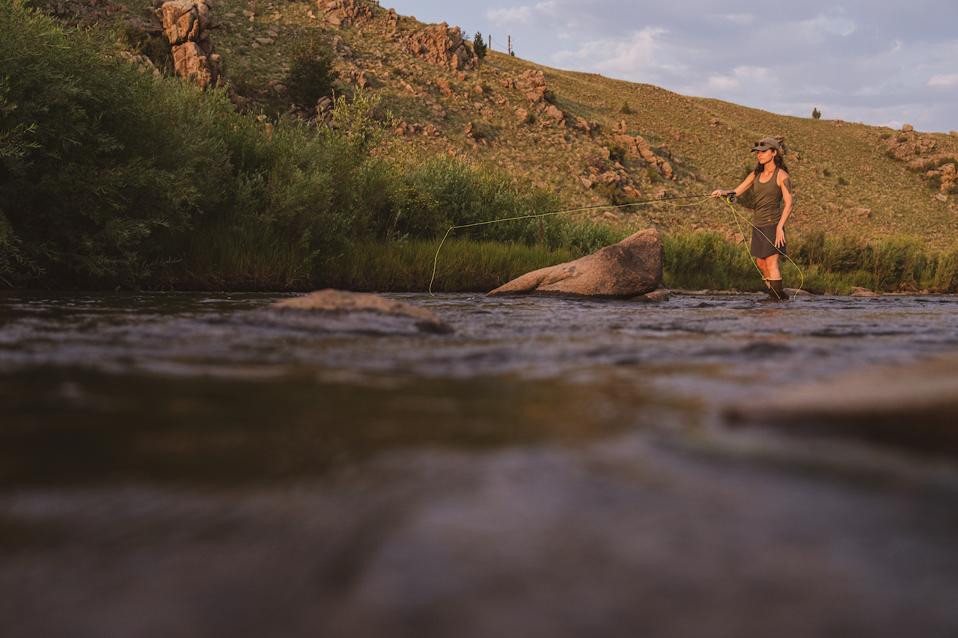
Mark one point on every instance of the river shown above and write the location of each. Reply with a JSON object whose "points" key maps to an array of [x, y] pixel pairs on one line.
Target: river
{"points": [[173, 465]]}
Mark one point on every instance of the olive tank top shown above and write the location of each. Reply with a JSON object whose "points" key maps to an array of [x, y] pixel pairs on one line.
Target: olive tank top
{"points": [[768, 200]]}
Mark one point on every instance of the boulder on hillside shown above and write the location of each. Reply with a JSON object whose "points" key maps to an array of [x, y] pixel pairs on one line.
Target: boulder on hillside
{"points": [[185, 25], [630, 268], [342, 311], [441, 45]]}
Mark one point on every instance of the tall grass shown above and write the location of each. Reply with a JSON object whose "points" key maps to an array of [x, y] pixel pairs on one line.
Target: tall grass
{"points": [[464, 265], [830, 264]]}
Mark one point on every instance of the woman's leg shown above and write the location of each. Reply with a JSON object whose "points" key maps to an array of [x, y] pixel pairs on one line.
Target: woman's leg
{"points": [[762, 266], [775, 278], [771, 268]]}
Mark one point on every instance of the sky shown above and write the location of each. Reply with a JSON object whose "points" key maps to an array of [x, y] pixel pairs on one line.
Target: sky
{"points": [[881, 63]]}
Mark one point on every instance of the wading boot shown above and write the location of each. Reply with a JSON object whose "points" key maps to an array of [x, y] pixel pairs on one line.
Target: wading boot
{"points": [[776, 291]]}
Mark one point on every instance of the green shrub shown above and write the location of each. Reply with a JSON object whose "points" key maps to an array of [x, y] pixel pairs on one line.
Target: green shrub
{"points": [[311, 74], [617, 153]]}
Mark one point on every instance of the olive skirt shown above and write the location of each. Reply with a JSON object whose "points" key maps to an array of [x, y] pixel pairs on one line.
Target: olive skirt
{"points": [[763, 242]]}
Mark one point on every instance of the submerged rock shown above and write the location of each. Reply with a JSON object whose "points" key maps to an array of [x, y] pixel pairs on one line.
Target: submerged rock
{"points": [[910, 406], [656, 296], [627, 269], [341, 311]]}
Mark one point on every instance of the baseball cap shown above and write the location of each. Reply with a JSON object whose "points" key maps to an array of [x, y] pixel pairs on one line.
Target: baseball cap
{"points": [[767, 143]]}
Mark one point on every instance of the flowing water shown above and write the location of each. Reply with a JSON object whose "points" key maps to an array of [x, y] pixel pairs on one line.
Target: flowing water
{"points": [[180, 465]]}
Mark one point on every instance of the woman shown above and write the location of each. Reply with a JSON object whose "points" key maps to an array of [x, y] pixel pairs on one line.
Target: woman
{"points": [[772, 194]]}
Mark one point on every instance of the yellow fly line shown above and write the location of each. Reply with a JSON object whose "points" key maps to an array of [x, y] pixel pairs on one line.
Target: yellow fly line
{"points": [[737, 216]]}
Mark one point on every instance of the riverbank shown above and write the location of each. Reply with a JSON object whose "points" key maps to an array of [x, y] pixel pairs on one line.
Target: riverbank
{"points": [[693, 261]]}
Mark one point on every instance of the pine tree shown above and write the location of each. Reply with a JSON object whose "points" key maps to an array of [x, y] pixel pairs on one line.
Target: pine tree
{"points": [[816, 114], [479, 47]]}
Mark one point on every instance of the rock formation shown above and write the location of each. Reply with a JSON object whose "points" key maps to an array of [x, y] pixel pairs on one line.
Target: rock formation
{"points": [[635, 146], [630, 268], [441, 45], [907, 145], [344, 13], [532, 83], [185, 25]]}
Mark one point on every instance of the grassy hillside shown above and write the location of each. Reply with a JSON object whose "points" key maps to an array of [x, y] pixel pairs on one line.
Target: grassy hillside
{"points": [[845, 179]]}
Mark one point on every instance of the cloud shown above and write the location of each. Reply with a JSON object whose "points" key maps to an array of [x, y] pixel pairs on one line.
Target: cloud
{"points": [[522, 14], [946, 81], [640, 56], [723, 83], [834, 23], [740, 19]]}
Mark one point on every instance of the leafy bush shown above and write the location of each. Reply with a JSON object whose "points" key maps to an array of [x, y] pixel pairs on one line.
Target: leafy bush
{"points": [[108, 176], [311, 74]]}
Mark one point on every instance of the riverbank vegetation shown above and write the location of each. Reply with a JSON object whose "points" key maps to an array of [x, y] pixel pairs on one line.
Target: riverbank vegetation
{"points": [[114, 178]]}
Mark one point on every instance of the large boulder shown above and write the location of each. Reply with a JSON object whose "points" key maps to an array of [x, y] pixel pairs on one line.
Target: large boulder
{"points": [[341, 311], [627, 269], [186, 25]]}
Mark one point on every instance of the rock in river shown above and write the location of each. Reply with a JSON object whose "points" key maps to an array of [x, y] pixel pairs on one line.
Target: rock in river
{"points": [[909, 406], [341, 311], [627, 269]]}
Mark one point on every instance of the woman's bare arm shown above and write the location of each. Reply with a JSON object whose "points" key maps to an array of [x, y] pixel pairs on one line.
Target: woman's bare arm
{"points": [[786, 184], [741, 188]]}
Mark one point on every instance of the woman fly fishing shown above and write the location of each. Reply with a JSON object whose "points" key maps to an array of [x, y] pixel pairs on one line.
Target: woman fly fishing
{"points": [[772, 197]]}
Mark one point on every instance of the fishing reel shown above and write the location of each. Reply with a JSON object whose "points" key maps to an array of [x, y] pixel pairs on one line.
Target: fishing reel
{"points": [[729, 197]]}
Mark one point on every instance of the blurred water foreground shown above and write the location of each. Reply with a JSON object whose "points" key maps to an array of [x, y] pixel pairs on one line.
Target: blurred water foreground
{"points": [[187, 465]]}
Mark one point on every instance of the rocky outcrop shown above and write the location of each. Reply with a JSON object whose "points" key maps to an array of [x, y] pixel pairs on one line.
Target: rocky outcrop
{"points": [[636, 147], [940, 170], [911, 406], [341, 311], [441, 45], [186, 27], [532, 84], [907, 145], [343, 13], [630, 268]]}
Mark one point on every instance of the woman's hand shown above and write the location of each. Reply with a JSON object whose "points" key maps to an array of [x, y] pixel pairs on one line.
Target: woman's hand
{"points": [[779, 236], [718, 193]]}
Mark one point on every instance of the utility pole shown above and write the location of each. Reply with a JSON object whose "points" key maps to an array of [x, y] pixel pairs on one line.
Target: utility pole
{"points": [[510, 46], [490, 42]]}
